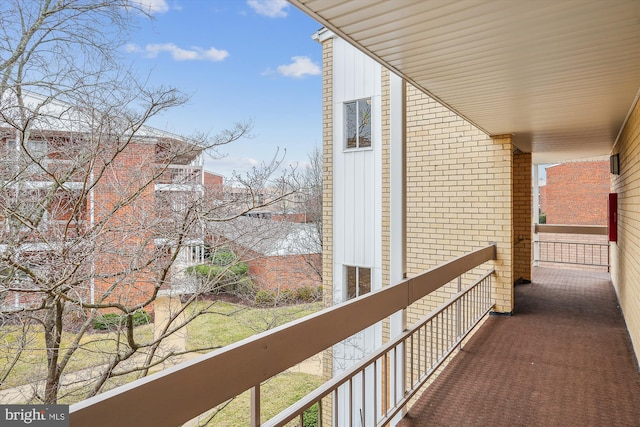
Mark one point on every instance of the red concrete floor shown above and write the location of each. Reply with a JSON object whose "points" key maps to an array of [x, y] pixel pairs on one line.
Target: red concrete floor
{"points": [[563, 359]]}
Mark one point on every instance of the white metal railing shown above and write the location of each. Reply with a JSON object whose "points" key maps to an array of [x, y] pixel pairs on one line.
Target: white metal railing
{"points": [[574, 245], [178, 394], [180, 174], [424, 347]]}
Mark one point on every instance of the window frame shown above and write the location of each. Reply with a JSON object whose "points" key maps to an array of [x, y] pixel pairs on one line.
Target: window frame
{"points": [[360, 272], [357, 126]]}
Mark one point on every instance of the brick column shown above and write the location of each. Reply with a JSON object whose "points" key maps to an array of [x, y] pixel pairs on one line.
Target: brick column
{"points": [[522, 216], [327, 207]]}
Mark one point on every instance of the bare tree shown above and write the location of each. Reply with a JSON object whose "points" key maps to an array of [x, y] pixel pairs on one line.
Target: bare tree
{"points": [[312, 207], [96, 208]]}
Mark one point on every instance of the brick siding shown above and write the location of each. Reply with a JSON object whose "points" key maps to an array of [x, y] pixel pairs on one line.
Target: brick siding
{"points": [[286, 272], [576, 193], [522, 215], [459, 195], [625, 268], [327, 206], [213, 185]]}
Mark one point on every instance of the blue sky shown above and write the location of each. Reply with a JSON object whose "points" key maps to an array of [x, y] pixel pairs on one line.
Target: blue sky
{"points": [[238, 60]]}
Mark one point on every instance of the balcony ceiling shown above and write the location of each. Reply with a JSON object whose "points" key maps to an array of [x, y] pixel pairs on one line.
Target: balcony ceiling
{"points": [[560, 75]]}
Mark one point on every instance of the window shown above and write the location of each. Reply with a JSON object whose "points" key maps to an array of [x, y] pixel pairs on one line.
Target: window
{"points": [[358, 123], [37, 151], [34, 154], [358, 281], [27, 213]]}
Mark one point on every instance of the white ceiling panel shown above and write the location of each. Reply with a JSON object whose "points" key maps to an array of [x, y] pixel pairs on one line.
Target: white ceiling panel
{"points": [[561, 75]]}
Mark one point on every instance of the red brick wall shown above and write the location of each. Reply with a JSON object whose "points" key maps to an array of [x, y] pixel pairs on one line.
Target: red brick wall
{"points": [[577, 193], [286, 272], [299, 217], [543, 199], [126, 243], [213, 185]]}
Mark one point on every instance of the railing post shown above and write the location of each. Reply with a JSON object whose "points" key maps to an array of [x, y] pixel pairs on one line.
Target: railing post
{"points": [[459, 314], [255, 406]]}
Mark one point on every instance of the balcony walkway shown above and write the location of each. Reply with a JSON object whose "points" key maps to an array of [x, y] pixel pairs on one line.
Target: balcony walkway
{"points": [[564, 359]]}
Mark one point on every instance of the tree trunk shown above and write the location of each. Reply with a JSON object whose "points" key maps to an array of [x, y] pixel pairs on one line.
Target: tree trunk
{"points": [[53, 335]]}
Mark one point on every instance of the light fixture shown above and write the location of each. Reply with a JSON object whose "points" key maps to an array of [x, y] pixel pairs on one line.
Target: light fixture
{"points": [[614, 163]]}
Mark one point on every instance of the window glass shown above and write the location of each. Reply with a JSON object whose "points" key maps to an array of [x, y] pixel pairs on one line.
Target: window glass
{"points": [[364, 281], [351, 124], [352, 282], [37, 149], [357, 123], [364, 123], [358, 281]]}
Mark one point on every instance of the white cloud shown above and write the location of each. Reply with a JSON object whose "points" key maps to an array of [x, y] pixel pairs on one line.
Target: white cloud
{"points": [[132, 48], [178, 53], [301, 66], [270, 8], [153, 6], [227, 166]]}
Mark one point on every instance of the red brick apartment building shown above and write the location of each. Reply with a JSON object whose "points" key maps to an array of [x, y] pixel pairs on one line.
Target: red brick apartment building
{"points": [[282, 252], [576, 193], [122, 205], [103, 217]]}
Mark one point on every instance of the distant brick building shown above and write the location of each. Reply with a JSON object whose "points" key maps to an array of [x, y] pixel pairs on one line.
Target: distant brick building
{"points": [[280, 254], [95, 210], [576, 193]]}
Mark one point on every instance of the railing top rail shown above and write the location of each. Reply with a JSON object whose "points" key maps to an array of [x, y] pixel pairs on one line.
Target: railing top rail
{"points": [[177, 166], [197, 384], [336, 382], [571, 229]]}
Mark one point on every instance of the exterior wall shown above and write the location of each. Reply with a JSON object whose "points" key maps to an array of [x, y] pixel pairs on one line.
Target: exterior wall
{"points": [[522, 216], [386, 193], [357, 215], [327, 206], [625, 268], [543, 199], [297, 217], [459, 195], [327, 177], [127, 240], [576, 193], [356, 203], [458, 184], [286, 272], [213, 185]]}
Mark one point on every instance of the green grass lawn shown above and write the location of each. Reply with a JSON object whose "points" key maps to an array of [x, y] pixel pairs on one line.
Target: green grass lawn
{"points": [[229, 323], [225, 323], [276, 395]]}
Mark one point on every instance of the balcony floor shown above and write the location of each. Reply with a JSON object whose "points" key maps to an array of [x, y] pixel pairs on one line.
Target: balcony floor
{"points": [[564, 358]]}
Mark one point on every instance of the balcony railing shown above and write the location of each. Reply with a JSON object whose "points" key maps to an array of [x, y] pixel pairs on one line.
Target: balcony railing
{"points": [[25, 171], [578, 245], [180, 175], [424, 347], [178, 394]]}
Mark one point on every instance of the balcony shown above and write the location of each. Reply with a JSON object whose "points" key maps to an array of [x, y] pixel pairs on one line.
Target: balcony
{"points": [[179, 178], [564, 357], [16, 170], [576, 246]]}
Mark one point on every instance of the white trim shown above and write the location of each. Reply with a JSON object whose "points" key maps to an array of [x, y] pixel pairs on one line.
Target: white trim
{"points": [[323, 34], [626, 119], [180, 187], [396, 196]]}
